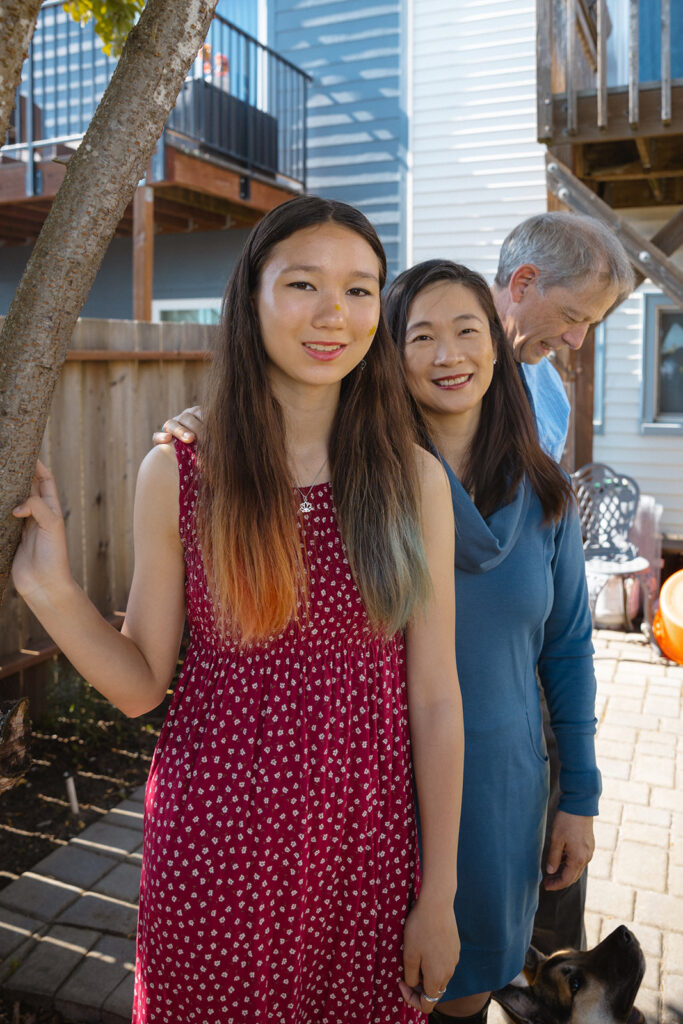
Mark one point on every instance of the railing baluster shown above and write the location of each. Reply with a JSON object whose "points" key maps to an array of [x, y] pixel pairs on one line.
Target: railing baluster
{"points": [[633, 76], [602, 64], [249, 106], [666, 61], [571, 65], [544, 60]]}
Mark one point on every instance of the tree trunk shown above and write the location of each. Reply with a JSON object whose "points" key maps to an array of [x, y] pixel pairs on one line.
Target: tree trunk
{"points": [[18, 20], [99, 183]]}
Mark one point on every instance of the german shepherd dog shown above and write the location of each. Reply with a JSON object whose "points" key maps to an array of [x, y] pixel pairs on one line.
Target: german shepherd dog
{"points": [[570, 987]]}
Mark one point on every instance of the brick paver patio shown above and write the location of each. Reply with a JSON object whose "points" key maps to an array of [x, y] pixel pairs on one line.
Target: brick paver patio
{"points": [[67, 927]]}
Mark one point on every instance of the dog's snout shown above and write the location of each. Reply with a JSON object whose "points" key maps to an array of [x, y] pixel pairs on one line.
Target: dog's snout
{"points": [[625, 936]]}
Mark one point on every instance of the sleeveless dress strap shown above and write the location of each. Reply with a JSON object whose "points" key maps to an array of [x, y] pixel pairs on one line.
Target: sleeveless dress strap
{"points": [[186, 454]]}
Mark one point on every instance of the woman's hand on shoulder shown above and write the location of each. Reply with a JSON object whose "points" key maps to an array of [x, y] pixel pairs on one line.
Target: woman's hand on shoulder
{"points": [[187, 426], [431, 950]]}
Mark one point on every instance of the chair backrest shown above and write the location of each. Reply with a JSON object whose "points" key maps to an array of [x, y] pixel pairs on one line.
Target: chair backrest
{"points": [[607, 503]]}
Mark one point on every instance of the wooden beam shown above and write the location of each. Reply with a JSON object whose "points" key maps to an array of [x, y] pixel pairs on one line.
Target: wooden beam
{"points": [[633, 79], [143, 252], [112, 355], [544, 64], [646, 257], [665, 15], [618, 127], [201, 175], [602, 63], [669, 239]]}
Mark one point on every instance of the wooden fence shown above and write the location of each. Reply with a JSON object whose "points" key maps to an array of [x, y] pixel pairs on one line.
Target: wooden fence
{"points": [[122, 379]]}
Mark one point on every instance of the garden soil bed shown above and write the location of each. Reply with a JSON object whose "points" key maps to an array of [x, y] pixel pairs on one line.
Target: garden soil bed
{"points": [[107, 754]]}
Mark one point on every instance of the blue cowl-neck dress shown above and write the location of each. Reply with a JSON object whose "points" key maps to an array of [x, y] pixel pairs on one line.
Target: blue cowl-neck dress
{"points": [[521, 605]]}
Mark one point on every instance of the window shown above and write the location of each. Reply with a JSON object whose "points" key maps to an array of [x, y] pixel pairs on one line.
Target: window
{"points": [[599, 381], [662, 367], [186, 311]]}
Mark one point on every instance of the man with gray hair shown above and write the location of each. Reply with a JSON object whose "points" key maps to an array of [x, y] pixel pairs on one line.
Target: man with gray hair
{"points": [[558, 275]]}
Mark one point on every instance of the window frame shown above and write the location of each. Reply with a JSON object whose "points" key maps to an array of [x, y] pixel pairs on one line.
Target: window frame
{"points": [[160, 306], [653, 305], [599, 379]]}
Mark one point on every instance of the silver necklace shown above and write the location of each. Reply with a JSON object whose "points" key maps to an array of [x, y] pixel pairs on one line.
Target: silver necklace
{"points": [[305, 505]]}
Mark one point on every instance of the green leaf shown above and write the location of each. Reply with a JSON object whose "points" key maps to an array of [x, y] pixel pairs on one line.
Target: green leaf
{"points": [[113, 19]]}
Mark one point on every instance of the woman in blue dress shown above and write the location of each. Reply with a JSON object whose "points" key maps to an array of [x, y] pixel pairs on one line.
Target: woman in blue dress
{"points": [[521, 610]]}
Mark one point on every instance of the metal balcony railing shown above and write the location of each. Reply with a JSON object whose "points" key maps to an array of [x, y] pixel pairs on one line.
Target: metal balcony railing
{"points": [[241, 100]]}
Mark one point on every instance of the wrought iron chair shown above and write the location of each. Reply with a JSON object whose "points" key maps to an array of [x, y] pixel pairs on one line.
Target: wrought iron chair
{"points": [[607, 503]]}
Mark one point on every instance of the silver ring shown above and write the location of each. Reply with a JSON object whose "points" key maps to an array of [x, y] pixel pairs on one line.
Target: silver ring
{"points": [[432, 999]]}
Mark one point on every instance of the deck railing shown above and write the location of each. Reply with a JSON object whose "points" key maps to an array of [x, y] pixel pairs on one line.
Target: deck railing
{"points": [[598, 47], [241, 100]]}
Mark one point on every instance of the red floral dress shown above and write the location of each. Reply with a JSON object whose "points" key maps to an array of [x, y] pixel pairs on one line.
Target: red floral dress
{"points": [[280, 854]]}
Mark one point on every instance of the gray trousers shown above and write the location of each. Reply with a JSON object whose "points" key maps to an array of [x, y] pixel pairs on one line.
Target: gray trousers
{"points": [[559, 919]]}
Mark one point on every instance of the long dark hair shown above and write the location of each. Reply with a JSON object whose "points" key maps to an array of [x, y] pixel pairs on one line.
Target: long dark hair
{"points": [[247, 521], [505, 446]]}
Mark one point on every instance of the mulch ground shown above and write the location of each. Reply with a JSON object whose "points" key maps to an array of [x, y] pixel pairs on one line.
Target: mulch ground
{"points": [[107, 754]]}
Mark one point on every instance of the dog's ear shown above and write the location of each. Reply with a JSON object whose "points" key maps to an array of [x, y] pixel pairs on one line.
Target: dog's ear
{"points": [[521, 1004], [532, 961]]}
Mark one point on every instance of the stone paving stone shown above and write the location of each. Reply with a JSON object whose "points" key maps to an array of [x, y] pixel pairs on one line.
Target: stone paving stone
{"points": [[658, 771], [639, 832], [72, 864], [660, 745], [128, 814], [605, 835], [138, 794], [95, 910], [612, 749], [601, 864], [625, 705], [15, 929], [51, 961], [118, 1006], [101, 971], [652, 973], [604, 668], [660, 910], [673, 953], [672, 998], [638, 721], [644, 867], [676, 880], [123, 883], [611, 810], [108, 839], [655, 816], [135, 857], [623, 736], [664, 707], [44, 898], [613, 769], [627, 792], [593, 923], [608, 898], [648, 1002], [669, 799]]}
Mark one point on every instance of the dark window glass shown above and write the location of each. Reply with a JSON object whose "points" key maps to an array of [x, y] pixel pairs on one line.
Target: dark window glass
{"points": [[670, 362]]}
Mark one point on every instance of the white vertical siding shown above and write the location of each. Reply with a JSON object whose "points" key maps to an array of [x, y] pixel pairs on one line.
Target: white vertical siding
{"points": [[655, 462], [478, 169]]}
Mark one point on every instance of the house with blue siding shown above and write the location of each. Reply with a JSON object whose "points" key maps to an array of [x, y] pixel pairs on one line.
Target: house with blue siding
{"points": [[233, 147], [427, 115]]}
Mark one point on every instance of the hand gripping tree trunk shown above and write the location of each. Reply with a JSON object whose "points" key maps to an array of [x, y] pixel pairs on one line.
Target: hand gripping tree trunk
{"points": [[99, 183]]}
